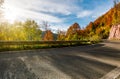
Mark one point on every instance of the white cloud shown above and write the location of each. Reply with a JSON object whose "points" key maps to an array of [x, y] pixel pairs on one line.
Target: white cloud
{"points": [[41, 16], [84, 13], [36, 9], [64, 7], [62, 27], [52, 6]]}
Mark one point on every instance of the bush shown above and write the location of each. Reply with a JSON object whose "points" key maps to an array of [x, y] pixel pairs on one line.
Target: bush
{"points": [[95, 38]]}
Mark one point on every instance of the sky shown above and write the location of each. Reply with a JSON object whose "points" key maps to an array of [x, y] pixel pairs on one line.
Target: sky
{"points": [[60, 14]]}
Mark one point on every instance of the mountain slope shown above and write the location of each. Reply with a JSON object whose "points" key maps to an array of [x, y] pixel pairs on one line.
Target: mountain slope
{"points": [[102, 25]]}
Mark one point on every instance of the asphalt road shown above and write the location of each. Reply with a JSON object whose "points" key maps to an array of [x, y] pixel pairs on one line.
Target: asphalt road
{"points": [[81, 62]]}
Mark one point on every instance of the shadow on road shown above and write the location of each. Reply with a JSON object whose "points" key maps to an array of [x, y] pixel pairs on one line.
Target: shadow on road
{"points": [[78, 67], [66, 60]]}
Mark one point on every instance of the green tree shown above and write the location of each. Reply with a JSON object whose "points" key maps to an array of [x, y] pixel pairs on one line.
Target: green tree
{"points": [[4, 31], [75, 37], [32, 31], [29, 30]]}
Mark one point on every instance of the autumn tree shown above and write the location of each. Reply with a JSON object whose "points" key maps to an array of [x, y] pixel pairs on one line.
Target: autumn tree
{"points": [[72, 32], [83, 34], [61, 35], [48, 36], [90, 27]]}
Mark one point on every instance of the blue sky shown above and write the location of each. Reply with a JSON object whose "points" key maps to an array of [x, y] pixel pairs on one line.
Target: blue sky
{"points": [[60, 14]]}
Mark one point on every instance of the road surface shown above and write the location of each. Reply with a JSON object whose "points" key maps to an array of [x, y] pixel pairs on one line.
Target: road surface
{"points": [[82, 62]]}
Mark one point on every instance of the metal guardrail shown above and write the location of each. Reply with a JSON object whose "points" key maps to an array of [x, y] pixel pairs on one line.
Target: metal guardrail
{"points": [[26, 45], [39, 42]]}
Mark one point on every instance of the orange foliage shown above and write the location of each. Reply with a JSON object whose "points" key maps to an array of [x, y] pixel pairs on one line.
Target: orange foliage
{"points": [[48, 36]]}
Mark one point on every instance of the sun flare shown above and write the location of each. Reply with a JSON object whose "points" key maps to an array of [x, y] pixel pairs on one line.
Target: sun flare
{"points": [[10, 13]]}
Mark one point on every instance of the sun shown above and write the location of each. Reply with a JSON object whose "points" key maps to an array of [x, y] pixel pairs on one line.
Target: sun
{"points": [[10, 13]]}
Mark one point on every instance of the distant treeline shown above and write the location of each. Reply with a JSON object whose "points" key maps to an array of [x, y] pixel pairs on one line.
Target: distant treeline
{"points": [[30, 31]]}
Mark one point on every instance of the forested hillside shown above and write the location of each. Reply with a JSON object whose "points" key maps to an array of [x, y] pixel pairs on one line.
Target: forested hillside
{"points": [[102, 25], [99, 29]]}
